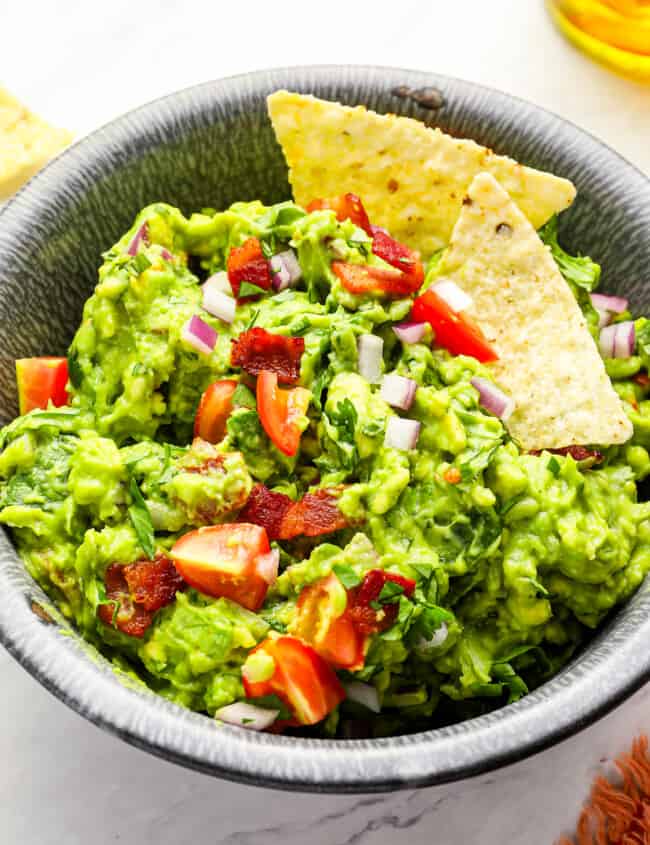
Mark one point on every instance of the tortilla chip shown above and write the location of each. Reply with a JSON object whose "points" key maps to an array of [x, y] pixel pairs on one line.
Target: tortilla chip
{"points": [[548, 360], [26, 143], [411, 179]]}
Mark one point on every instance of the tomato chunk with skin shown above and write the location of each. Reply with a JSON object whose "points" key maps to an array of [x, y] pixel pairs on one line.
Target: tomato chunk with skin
{"points": [[281, 411], [321, 621], [346, 207], [40, 381], [257, 350], [135, 591], [456, 332], [397, 255], [229, 561], [246, 263], [301, 679], [214, 409], [360, 278]]}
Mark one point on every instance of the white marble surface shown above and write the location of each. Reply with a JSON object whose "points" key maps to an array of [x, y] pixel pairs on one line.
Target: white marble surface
{"points": [[63, 781]]}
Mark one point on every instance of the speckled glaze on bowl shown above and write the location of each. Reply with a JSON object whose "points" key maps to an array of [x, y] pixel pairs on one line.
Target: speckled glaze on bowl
{"points": [[208, 146]]}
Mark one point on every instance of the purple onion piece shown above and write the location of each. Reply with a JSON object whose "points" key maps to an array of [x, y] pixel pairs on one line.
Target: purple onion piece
{"points": [[455, 297], [219, 304], [613, 304], [370, 350], [141, 236], [410, 332], [398, 391], [624, 340], [246, 715], [365, 694], [492, 399], [402, 433], [199, 335]]}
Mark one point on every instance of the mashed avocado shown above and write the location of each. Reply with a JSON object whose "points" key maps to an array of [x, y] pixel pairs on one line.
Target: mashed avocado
{"points": [[515, 557]]}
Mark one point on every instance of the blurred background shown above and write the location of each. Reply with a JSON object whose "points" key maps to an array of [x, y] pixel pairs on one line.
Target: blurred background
{"points": [[64, 782]]}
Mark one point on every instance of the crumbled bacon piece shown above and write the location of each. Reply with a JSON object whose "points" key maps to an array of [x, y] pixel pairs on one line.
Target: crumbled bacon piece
{"points": [[642, 379], [257, 350], [367, 619], [267, 509], [206, 466], [315, 514], [135, 591], [246, 263]]}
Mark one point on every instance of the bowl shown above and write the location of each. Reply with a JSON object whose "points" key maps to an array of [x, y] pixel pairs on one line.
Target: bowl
{"points": [[208, 146]]}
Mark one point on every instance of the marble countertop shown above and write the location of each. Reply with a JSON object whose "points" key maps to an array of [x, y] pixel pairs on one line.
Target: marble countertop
{"points": [[65, 782]]}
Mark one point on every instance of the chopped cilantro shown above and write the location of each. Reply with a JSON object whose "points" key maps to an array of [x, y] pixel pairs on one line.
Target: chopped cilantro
{"points": [[553, 466], [346, 575], [248, 289], [141, 520], [141, 263], [272, 702]]}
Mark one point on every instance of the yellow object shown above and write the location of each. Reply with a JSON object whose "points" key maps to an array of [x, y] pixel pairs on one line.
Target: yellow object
{"points": [[411, 179], [26, 143], [548, 361], [614, 32]]}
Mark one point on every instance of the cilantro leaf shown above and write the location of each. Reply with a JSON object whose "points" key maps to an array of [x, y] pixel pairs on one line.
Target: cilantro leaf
{"points": [[140, 263], [141, 520], [347, 576], [75, 373], [578, 270], [248, 289], [553, 466], [389, 592]]}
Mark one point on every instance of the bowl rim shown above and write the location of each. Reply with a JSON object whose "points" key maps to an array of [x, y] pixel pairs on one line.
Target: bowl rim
{"points": [[617, 663]]}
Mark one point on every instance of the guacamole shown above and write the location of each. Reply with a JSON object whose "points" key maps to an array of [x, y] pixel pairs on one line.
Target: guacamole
{"points": [[394, 538]]}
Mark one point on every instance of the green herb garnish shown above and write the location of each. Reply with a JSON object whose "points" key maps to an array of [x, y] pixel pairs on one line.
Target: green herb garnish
{"points": [[141, 520], [347, 576]]}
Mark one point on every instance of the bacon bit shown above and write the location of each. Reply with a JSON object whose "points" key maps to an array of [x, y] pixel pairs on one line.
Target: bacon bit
{"points": [[135, 591], [315, 514], [257, 350], [452, 475], [618, 815], [346, 207], [367, 619], [246, 263], [397, 255], [267, 509], [642, 379]]}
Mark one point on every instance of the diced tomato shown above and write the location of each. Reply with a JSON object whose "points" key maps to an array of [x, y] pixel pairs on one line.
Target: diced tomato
{"points": [[135, 591], [281, 411], [214, 409], [456, 332], [346, 207], [315, 514], [578, 453], [642, 379], [321, 621], [452, 475], [246, 263], [360, 279], [397, 255], [226, 560], [40, 381], [257, 350], [301, 679], [367, 619]]}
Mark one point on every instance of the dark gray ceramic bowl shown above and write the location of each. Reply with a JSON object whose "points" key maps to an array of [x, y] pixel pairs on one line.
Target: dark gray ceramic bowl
{"points": [[209, 146]]}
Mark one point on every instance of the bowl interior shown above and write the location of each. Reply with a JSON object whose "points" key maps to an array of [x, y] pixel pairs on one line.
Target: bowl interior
{"points": [[210, 146]]}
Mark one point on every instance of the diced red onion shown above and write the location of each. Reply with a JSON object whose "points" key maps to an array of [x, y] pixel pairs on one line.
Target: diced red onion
{"points": [[614, 304], [285, 270], [604, 318], [365, 694], [410, 332], [219, 281], [267, 566], [439, 637], [455, 297], [492, 399], [401, 433], [141, 236], [219, 304], [618, 340], [199, 335], [398, 391], [246, 715], [370, 350], [166, 254]]}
